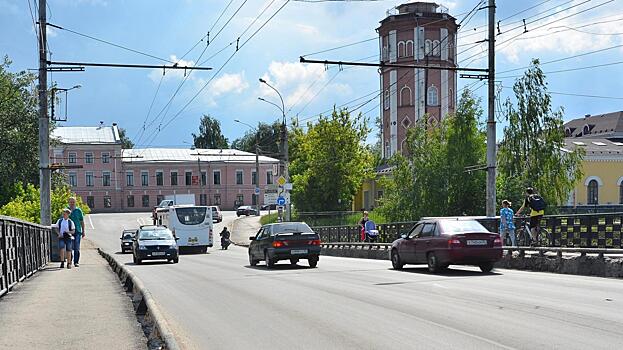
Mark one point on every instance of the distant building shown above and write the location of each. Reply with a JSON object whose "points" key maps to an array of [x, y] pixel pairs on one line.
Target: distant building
{"points": [[601, 187], [113, 179], [420, 33]]}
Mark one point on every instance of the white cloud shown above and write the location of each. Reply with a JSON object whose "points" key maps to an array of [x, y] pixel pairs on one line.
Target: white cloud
{"points": [[227, 83], [307, 29], [51, 32], [293, 79]]}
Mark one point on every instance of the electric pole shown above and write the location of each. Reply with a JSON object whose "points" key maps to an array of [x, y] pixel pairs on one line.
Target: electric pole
{"points": [[257, 171], [44, 122], [491, 139]]}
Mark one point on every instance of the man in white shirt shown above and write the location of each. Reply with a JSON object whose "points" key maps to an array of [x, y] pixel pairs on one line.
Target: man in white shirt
{"points": [[66, 229]]}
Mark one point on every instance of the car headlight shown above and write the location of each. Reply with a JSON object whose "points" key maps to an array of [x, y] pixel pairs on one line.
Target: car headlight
{"points": [[142, 247]]}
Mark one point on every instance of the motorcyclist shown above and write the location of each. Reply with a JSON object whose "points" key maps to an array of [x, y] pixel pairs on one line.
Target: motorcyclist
{"points": [[225, 241]]}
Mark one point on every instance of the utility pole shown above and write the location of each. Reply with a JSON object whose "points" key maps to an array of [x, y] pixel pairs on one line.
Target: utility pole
{"points": [[257, 171], [491, 139], [44, 122]]}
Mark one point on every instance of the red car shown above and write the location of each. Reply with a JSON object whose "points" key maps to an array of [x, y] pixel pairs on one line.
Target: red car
{"points": [[447, 241]]}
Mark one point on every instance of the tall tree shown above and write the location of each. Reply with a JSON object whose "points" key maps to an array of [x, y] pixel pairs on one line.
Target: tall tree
{"points": [[126, 143], [210, 135], [19, 157], [531, 152], [269, 138], [329, 161]]}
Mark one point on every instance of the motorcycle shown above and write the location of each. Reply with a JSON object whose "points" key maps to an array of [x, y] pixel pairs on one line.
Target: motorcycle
{"points": [[225, 242]]}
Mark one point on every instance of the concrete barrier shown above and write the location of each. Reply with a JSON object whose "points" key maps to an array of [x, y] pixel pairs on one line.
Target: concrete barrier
{"points": [[158, 333]]}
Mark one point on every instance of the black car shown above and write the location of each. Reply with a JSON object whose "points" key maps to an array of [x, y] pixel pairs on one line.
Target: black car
{"points": [[245, 210], [285, 241], [126, 240], [154, 243]]}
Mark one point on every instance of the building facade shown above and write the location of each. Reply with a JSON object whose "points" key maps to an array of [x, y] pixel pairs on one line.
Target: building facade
{"points": [[418, 33], [112, 179]]}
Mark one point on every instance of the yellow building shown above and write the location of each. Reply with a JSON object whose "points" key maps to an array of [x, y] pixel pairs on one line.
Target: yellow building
{"points": [[371, 191]]}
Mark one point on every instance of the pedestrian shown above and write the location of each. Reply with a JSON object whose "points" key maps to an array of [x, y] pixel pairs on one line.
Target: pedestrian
{"points": [[362, 225], [507, 226], [66, 229], [77, 216]]}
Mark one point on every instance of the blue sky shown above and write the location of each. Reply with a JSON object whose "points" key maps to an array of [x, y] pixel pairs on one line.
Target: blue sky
{"points": [[169, 29]]}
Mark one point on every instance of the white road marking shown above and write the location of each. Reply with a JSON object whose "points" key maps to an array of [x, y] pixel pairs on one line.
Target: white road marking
{"points": [[91, 222]]}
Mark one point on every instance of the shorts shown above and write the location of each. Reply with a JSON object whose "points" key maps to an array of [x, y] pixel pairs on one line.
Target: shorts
{"points": [[535, 220], [66, 243]]}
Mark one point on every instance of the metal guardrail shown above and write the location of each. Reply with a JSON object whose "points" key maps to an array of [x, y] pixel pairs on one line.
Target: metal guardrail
{"points": [[24, 249], [599, 230]]}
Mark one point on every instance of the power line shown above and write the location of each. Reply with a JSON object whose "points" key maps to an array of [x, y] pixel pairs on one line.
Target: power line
{"points": [[577, 95], [568, 70]]}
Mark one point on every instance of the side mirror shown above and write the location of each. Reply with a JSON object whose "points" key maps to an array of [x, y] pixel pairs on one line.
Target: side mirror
{"points": [[177, 238], [252, 238], [404, 236]]}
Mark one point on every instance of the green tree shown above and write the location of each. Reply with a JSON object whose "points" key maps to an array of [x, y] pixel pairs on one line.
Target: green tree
{"points": [[269, 139], [329, 161], [126, 143], [531, 152], [466, 147], [19, 158], [210, 135]]}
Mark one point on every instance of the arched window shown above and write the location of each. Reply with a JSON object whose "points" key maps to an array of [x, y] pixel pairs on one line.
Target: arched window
{"points": [[409, 48], [436, 48], [427, 47], [406, 98], [586, 129], [386, 99], [432, 96], [593, 192], [401, 49]]}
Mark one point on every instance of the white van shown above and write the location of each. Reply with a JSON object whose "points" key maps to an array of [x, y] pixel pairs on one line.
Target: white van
{"points": [[192, 224]]}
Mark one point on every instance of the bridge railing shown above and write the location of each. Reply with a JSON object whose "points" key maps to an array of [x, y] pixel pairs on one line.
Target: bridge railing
{"points": [[24, 249], [598, 230]]}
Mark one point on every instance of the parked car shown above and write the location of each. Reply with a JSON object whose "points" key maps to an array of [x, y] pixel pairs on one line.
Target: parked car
{"points": [[285, 241], [217, 216], [126, 240], [246, 210], [447, 241], [154, 243]]}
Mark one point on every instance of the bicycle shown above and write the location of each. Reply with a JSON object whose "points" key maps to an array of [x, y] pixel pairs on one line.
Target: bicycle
{"points": [[523, 237]]}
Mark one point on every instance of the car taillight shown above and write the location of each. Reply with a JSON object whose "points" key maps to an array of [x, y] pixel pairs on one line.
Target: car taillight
{"points": [[497, 242], [454, 242], [314, 242], [278, 244]]}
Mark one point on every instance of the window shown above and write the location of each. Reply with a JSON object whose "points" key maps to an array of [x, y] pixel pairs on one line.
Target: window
{"points": [[159, 178], [450, 98], [433, 100], [203, 199], [129, 178], [269, 177], [401, 49], [217, 199], [174, 178], [427, 230], [405, 96], [105, 157], [191, 216], [379, 194], [386, 99], [239, 175], [593, 192], [107, 202], [91, 202], [72, 157], [204, 178], [240, 199], [131, 201], [253, 178], [409, 48], [88, 158], [159, 199], [106, 178], [89, 178], [145, 201], [144, 178], [416, 231], [427, 47], [216, 177], [189, 178], [436, 48], [73, 179]]}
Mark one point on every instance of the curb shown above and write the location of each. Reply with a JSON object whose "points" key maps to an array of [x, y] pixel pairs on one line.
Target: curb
{"points": [[154, 324]]}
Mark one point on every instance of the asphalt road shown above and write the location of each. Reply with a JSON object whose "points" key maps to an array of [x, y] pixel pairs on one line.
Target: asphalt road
{"points": [[218, 301]]}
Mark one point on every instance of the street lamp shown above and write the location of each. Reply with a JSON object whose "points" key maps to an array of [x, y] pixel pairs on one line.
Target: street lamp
{"points": [[53, 92], [257, 164], [284, 137]]}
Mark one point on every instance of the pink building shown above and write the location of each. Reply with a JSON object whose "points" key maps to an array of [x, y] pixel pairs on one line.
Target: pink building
{"points": [[113, 179]]}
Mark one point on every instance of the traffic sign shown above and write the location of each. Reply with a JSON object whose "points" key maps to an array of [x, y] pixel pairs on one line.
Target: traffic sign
{"points": [[281, 201], [281, 181], [257, 190]]}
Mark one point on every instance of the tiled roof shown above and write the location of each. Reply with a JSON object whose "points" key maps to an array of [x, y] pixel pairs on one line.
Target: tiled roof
{"points": [[595, 146], [609, 125], [87, 135], [168, 155]]}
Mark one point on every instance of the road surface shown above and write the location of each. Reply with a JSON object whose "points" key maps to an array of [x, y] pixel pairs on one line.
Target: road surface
{"points": [[218, 301]]}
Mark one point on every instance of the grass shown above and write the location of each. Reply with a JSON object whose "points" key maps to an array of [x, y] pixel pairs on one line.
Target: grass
{"points": [[268, 219]]}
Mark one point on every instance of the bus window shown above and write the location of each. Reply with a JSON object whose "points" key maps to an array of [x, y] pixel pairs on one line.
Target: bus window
{"points": [[191, 216]]}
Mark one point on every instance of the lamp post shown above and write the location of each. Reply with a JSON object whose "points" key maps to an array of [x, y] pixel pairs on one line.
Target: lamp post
{"points": [[257, 164], [52, 97], [284, 137]]}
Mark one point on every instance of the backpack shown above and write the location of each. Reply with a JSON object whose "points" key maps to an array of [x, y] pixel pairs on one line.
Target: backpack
{"points": [[537, 202]]}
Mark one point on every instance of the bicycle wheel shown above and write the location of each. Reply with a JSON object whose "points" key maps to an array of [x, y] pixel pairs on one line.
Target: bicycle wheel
{"points": [[523, 237], [544, 238]]}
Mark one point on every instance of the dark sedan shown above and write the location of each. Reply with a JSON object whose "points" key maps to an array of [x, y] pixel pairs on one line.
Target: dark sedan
{"points": [[126, 240], [447, 241], [285, 241], [154, 243], [245, 210]]}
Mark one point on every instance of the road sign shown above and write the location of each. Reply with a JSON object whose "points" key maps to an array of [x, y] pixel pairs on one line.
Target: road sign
{"points": [[257, 190], [281, 201], [271, 193], [281, 181], [288, 187]]}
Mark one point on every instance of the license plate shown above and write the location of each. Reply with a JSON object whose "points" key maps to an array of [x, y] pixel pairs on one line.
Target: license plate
{"points": [[158, 253], [476, 242], [299, 251], [126, 243]]}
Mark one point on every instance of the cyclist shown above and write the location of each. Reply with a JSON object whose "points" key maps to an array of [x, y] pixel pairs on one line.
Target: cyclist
{"points": [[537, 209]]}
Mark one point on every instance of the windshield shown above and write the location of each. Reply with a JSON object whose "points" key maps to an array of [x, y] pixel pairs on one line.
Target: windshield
{"points": [[458, 226], [191, 216], [155, 235], [292, 227], [128, 236]]}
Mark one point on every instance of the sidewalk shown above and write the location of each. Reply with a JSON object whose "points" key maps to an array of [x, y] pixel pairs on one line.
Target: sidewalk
{"points": [[81, 308]]}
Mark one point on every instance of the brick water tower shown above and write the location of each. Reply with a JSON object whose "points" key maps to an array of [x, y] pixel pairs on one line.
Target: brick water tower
{"points": [[417, 33]]}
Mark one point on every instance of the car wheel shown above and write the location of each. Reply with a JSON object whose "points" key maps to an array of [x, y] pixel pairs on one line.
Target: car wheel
{"points": [[397, 263], [486, 267], [269, 262], [433, 263], [252, 261], [313, 262], [294, 261], [176, 260]]}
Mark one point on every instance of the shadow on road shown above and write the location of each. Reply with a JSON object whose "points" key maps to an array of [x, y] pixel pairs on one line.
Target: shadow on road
{"points": [[154, 262], [448, 272], [279, 267]]}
